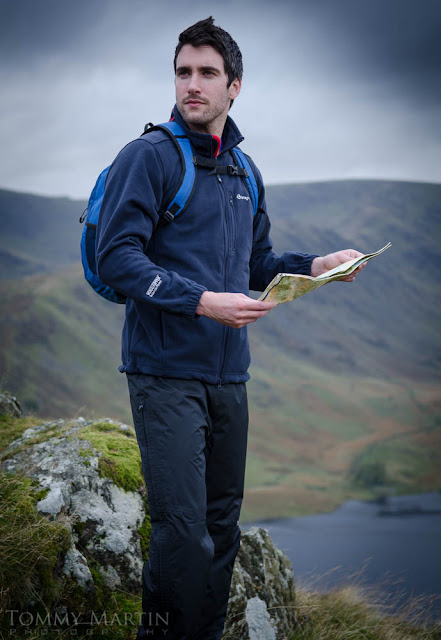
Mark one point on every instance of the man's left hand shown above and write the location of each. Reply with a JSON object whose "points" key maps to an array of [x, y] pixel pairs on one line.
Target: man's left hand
{"points": [[325, 263]]}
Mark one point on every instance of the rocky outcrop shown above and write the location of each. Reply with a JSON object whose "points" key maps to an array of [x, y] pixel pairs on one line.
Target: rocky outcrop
{"points": [[71, 462], [9, 405], [262, 596], [105, 518]]}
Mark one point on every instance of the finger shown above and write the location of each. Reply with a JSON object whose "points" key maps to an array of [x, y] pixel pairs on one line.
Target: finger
{"points": [[263, 304], [251, 316], [350, 278], [354, 253], [259, 305]]}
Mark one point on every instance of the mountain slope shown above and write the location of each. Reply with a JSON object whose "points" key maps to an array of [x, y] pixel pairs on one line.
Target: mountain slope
{"points": [[40, 228], [386, 323], [60, 346]]}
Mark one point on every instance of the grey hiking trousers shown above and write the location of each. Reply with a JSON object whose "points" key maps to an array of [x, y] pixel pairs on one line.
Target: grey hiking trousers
{"points": [[193, 438]]}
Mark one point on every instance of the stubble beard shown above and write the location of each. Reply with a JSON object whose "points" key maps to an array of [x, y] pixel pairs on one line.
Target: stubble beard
{"points": [[205, 119]]}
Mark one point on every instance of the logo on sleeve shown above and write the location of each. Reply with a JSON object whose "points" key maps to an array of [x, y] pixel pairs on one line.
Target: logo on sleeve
{"points": [[153, 287]]}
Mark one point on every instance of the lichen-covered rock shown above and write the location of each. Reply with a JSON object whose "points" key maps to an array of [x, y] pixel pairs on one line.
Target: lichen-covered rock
{"points": [[75, 565], [9, 405], [105, 518], [262, 596], [91, 473]]}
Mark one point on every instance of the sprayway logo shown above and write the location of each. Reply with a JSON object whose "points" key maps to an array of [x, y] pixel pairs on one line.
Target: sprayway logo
{"points": [[153, 287], [239, 197]]}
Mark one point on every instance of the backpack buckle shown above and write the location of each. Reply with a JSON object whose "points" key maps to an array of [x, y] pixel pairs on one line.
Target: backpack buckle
{"points": [[167, 216], [233, 170]]}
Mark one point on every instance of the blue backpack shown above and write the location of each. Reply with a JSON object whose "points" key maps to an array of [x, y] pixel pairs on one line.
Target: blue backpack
{"points": [[180, 200]]}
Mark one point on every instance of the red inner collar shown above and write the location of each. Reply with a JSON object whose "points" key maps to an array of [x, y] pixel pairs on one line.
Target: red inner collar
{"points": [[219, 144]]}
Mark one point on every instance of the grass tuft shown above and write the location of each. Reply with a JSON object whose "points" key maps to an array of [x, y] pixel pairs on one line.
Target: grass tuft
{"points": [[354, 612], [30, 545]]}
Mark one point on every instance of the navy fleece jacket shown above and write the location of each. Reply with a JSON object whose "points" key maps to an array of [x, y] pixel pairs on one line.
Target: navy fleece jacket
{"points": [[215, 244]]}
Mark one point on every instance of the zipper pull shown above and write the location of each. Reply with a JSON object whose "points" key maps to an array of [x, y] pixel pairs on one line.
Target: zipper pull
{"points": [[219, 384], [83, 216], [218, 177], [141, 406]]}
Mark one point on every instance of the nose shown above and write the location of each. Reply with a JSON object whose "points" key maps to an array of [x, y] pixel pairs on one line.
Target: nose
{"points": [[193, 85]]}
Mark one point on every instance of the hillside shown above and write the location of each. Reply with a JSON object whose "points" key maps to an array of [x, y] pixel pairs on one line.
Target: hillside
{"points": [[388, 322], [389, 317], [37, 231], [345, 378]]}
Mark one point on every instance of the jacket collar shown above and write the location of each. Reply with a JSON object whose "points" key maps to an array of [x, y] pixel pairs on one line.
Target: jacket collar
{"points": [[205, 144]]}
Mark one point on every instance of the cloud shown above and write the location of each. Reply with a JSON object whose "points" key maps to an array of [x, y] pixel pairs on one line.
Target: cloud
{"points": [[332, 89]]}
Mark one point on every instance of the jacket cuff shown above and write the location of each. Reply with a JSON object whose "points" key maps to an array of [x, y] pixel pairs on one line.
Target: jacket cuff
{"points": [[308, 263], [193, 300], [298, 263]]}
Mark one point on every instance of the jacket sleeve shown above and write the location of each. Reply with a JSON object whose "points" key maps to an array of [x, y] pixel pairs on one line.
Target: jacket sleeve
{"points": [[264, 263], [134, 191]]}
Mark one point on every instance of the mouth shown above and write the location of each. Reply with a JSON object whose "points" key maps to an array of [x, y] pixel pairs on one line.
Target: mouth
{"points": [[193, 102]]}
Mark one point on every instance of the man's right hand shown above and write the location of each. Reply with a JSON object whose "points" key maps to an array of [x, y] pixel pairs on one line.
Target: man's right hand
{"points": [[232, 309]]}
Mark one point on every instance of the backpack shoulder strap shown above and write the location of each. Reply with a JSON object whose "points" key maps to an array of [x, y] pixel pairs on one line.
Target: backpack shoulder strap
{"points": [[187, 181], [249, 179], [181, 198]]}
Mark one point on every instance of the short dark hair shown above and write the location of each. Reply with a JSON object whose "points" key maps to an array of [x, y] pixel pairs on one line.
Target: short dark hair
{"points": [[205, 32]]}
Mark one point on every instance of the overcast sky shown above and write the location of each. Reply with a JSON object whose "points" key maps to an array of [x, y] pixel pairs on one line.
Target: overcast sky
{"points": [[332, 88]]}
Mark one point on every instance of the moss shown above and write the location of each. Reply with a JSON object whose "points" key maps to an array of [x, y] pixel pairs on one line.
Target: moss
{"points": [[52, 430], [120, 460], [100, 590], [145, 529], [75, 599], [111, 613], [107, 425], [12, 428], [87, 454], [79, 527], [125, 611], [119, 618], [40, 494]]}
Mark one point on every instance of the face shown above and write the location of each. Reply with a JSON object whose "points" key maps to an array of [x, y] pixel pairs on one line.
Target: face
{"points": [[203, 96]]}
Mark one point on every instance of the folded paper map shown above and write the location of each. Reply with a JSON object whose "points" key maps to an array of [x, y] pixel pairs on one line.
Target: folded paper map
{"points": [[289, 286]]}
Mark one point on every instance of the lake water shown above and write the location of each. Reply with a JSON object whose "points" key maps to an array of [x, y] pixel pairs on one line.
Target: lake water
{"points": [[396, 545]]}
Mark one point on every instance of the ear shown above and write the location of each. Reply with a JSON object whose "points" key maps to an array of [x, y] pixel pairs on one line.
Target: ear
{"points": [[234, 88]]}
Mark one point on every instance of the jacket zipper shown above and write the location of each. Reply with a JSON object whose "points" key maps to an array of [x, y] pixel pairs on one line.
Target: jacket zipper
{"points": [[227, 249], [232, 247], [232, 222]]}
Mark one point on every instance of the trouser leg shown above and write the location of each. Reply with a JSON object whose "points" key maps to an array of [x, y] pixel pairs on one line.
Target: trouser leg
{"points": [[170, 418], [225, 472]]}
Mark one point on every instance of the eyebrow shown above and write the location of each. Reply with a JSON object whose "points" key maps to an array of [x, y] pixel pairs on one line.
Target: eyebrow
{"points": [[203, 68]]}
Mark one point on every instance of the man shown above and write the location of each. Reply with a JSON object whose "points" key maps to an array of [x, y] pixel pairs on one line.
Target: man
{"points": [[184, 346]]}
